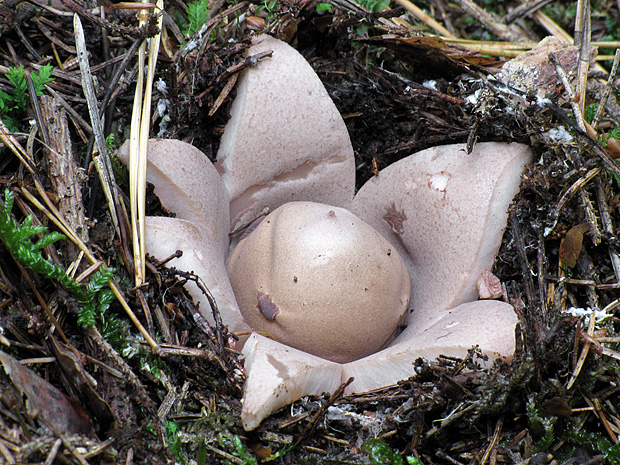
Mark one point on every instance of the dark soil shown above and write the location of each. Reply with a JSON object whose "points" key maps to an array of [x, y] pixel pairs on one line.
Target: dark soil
{"points": [[182, 404]]}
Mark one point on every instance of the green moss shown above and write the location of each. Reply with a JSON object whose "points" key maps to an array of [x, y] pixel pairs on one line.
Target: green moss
{"points": [[599, 443], [14, 102], [94, 299], [541, 427], [380, 453]]}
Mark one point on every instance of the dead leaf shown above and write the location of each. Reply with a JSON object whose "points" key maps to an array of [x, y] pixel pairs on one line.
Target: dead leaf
{"points": [[570, 247], [557, 407], [82, 382], [46, 403], [533, 72], [261, 451]]}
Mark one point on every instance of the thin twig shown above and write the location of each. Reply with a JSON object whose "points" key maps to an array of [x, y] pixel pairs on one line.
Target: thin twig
{"points": [[494, 441], [120, 69], [607, 91], [574, 103], [52, 454], [525, 9], [525, 266], [74, 114], [492, 22], [54, 215], [593, 144], [36, 107], [572, 190], [323, 409], [584, 353], [553, 28], [607, 224], [541, 259], [102, 161], [584, 52], [12, 144], [42, 302], [426, 19]]}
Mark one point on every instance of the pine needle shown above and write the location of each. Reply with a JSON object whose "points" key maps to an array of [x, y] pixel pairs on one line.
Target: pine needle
{"points": [[138, 144], [426, 19]]}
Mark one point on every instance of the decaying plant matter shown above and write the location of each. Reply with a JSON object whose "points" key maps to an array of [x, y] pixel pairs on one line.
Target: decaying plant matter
{"points": [[167, 386]]}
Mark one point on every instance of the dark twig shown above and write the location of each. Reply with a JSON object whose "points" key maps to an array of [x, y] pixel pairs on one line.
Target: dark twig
{"points": [[28, 44], [594, 145], [74, 114], [603, 206], [542, 266], [525, 9], [323, 410], [36, 107], [523, 261], [113, 84], [608, 85]]}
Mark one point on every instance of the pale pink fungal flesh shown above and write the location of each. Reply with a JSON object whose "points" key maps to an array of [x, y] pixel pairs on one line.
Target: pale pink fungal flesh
{"points": [[201, 255], [452, 210], [488, 324], [278, 374], [188, 185], [445, 211], [285, 139], [489, 286], [442, 209]]}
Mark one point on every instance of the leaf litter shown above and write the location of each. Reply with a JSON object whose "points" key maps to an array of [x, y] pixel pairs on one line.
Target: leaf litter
{"points": [[399, 91]]}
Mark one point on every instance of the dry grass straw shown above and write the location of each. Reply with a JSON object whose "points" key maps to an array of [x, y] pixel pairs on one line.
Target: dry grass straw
{"points": [[104, 169], [138, 142], [425, 18], [512, 49], [582, 40]]}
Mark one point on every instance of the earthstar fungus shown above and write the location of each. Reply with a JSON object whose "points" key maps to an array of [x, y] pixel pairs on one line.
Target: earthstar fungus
{"points": [[442, 210]]}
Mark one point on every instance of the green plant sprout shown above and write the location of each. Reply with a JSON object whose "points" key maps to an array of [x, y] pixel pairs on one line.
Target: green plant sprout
{"points": [[541, 427], [324, 7], [110, 142], [269, 7], [249, 459], [94, 299], [382, 454], [242, 454], [613, 133], [599, 443], [15, 100], [197, 14], [175, 445], [190, 442], [376, 6]]}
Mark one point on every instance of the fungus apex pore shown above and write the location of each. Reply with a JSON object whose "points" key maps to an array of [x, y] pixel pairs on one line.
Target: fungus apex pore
{"points": [[351, 291]]}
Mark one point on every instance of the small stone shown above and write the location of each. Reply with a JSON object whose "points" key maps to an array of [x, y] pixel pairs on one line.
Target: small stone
{"points": [[489, 286]]}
